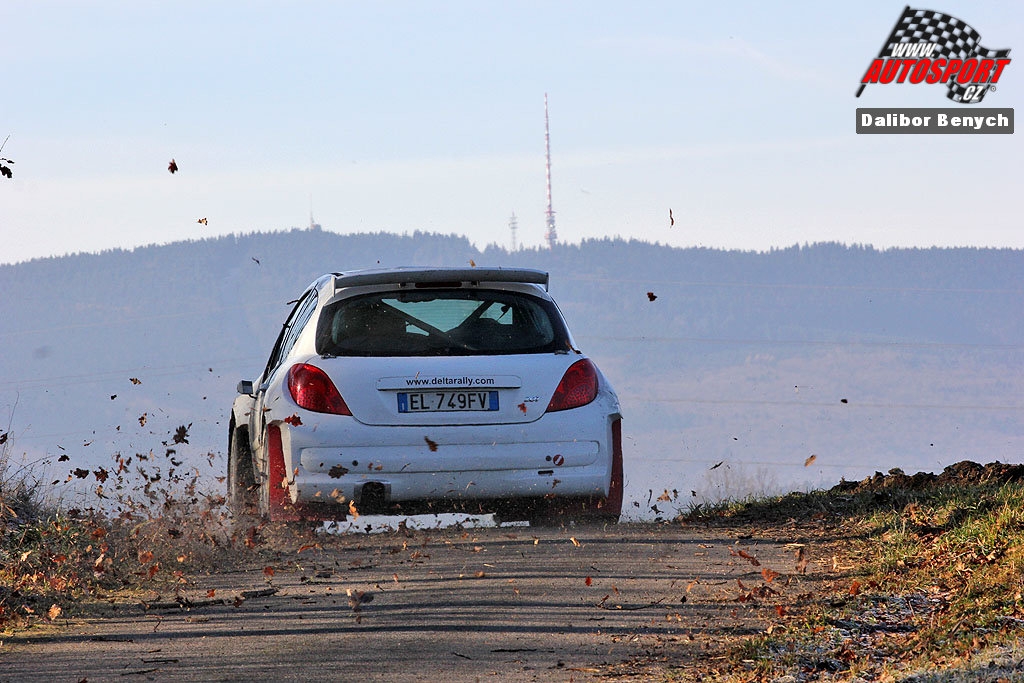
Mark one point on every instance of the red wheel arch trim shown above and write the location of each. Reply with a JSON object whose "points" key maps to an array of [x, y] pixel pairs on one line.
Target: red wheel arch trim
{"points": [[613, 503], [280, 507]]}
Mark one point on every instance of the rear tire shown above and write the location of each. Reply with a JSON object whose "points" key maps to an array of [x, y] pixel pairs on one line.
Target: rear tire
{"points": [[241, 476]]}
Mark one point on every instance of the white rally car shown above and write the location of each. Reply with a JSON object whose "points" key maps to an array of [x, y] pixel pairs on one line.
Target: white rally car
{"points": [[412, 390]]}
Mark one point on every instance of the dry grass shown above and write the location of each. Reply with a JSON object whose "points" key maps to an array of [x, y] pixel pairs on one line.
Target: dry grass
{"points": [[935, 593], [150, 527]]}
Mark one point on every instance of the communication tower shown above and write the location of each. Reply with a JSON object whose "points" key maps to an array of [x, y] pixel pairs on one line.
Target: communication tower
{"points": [[313, 225], [551, 234], [513, 225]]}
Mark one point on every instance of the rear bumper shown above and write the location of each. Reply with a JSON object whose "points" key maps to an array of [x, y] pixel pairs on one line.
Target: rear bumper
{"points": [[453, 470], [332, 459]]}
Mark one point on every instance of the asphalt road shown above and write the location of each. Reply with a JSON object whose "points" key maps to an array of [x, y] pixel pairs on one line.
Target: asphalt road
{"points": [[625, 602]]}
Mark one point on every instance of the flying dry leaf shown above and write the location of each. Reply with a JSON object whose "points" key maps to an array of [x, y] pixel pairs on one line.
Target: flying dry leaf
{"points": [[5, 170], [781, 610], [202, 221], [843, 400], [101, 475], [522, 408], [431, 444], [746, 556], [801, 560], [181, 433], [256, 260], [80, 473], [53, 612], [338, 496], [769, 575], [173, 166], [589, 581], [671, 219], [809, 461], [212, 592], [352, 511], [268, 572], [716, 465], [651, 296], [3, 437], [855, 587], [293, 420], [135, 380], [472, 263], [665, 497], [63, 458], [356, 599], [337, 472], [142, 419], [574, 541], [153, 570]]}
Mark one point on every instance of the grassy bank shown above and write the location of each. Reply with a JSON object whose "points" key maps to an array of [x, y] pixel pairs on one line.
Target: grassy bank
{"points": [[927, 581], [150, 528]]}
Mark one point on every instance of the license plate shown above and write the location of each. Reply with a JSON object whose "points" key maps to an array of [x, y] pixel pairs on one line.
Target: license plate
{"points": [[446, 401]]}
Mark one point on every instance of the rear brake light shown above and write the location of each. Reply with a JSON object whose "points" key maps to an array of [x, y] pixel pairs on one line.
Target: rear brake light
{"points": [[577, 388], [312, 389]]}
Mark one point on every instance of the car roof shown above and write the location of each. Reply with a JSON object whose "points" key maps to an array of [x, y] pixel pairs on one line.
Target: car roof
{"points": [[428, 275]]}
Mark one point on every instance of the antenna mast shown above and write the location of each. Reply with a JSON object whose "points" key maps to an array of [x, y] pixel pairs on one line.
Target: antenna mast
{"points": [[313, 225], [551, 235], [513, 225]]}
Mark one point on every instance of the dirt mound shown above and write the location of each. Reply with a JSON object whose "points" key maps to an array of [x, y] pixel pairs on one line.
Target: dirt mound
{"points": [[965, 473]]}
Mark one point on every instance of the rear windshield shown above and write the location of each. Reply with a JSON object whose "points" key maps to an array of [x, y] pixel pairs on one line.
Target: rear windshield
{"points": [[440, 323]]}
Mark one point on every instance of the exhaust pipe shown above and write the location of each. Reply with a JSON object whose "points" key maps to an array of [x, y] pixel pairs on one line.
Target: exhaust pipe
{"points": [[373, 497]]}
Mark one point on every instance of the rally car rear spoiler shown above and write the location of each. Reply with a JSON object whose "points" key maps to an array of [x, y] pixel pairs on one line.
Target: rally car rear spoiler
{"points": [[414, 276]]}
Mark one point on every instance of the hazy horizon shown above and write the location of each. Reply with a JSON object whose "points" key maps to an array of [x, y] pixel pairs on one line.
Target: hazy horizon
{"points": [[505, 247]]}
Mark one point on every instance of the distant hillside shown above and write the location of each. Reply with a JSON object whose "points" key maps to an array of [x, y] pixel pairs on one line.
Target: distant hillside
{"points": [[741, 357]]}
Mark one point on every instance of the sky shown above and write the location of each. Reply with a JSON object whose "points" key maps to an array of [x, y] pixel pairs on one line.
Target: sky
{"points": [[401, 116]]}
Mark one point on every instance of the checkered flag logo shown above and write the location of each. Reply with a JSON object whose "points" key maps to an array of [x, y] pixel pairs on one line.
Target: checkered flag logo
{"points": [[954, 39]]}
